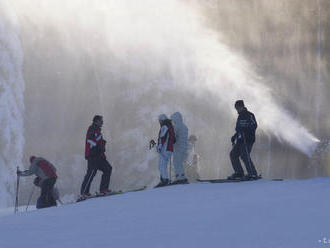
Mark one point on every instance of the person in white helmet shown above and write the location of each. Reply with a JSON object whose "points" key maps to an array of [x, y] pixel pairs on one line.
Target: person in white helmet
{"points": [[180, 148], [166, 140]]}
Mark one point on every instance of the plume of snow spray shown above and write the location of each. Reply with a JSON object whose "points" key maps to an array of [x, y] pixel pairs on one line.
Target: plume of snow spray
{"points": [[169, 35], [11, 102]]}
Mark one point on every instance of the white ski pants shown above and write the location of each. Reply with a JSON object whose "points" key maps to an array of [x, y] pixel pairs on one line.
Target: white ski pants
{"points": [[164, 158], [178, 159]]}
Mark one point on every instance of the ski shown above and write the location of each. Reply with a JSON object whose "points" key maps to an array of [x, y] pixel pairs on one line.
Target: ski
{"points": [[119, 192], [98, 194], [233, 180], [220, 180], [135, 190], [170, 184]]}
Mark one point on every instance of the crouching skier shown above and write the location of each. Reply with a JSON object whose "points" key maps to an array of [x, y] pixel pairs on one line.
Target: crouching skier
{"points": [[243, 141], [96, 159], [46, 172], [166, 140]]}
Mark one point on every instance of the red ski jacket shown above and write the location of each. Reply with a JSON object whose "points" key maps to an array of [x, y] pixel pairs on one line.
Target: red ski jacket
{"points": [[41, 168], [166, 137], [95, 144]]}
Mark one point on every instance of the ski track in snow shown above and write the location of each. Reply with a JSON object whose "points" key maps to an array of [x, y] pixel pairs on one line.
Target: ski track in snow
{"points": [[293, 213]]}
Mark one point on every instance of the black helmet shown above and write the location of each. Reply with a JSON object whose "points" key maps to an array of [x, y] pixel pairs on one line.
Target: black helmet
{"points": [[239, 103], [97, 118]]}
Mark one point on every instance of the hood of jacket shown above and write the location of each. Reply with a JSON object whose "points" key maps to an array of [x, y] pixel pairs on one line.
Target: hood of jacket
{"points": [[177, 118]]}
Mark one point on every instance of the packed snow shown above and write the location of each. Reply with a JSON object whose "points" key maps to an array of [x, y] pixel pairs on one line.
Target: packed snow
{"points": [[263, 213]]}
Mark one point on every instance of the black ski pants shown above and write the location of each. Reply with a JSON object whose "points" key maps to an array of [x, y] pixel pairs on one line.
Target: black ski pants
{"points": [[94, 164], [46, 197], [241, 150]]}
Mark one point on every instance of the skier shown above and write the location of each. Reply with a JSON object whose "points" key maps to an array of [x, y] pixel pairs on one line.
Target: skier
{"points": [[96, 159], [46, 172], [180, 147], [243, 141], [166, 140]]}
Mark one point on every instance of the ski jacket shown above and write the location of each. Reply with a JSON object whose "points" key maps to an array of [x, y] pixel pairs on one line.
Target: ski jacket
{"points": [[181, 133], [95, 144], [41, 168], [246, 126], [166, 137]]}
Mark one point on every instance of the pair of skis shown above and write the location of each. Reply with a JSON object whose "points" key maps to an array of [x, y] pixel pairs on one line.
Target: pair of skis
{"points": [[170, 184], [232, 180], [109, 194]]}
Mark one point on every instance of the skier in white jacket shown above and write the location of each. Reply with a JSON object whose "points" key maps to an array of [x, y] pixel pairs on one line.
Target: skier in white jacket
{"points": [[180, 147], [166, 140]]}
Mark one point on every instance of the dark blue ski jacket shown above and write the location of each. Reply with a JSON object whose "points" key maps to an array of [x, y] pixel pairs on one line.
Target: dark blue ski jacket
{"points": [[246, 126]]}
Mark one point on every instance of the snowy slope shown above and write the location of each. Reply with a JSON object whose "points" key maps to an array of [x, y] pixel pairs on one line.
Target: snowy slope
{"points": [[247, 214]]}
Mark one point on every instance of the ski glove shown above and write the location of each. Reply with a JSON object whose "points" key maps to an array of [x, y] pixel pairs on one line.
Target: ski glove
{"points": [[159, 148], [37, 181], [233, 139], [152, 143]]}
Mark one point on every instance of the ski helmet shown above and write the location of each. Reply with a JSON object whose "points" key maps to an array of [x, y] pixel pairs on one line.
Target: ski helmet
{"points": [[162, 117], [97, 118], [239, 103]]}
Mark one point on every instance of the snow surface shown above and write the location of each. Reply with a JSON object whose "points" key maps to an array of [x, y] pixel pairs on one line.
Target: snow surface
{"points": [[293, 213]]}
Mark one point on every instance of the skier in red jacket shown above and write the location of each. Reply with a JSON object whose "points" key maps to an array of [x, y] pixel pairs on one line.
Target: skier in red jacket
{"points": [[96, 159]]}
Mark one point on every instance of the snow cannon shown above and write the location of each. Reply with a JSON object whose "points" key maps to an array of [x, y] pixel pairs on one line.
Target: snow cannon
{"points": [[321, 155], [328, 163]]}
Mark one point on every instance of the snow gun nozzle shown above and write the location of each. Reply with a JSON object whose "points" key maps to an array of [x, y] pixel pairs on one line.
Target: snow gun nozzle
{"points": [[321, 154], [322, 147]]}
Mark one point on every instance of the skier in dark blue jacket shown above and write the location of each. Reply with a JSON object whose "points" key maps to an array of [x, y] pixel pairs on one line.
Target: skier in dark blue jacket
{"points": [[242, 142]]}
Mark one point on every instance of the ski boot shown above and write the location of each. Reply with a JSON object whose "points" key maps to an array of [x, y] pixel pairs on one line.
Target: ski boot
{"points": [[181, 181], [105, 192], [163, 182], [84, 197], [236, 176], [252, 177]]}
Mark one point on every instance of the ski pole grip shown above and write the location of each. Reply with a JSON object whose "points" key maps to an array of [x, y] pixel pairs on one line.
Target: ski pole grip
{"points": [[152, 143]]}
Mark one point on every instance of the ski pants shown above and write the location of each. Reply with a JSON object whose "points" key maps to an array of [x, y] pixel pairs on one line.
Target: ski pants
{"points": [[94, 164], [46, 198], [164, 158], [241, 150], [178, 159]]}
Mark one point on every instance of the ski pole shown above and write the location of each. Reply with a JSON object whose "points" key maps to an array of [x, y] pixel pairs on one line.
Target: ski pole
{"points": [[17, 187], [30, 198], [170, 181]]}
